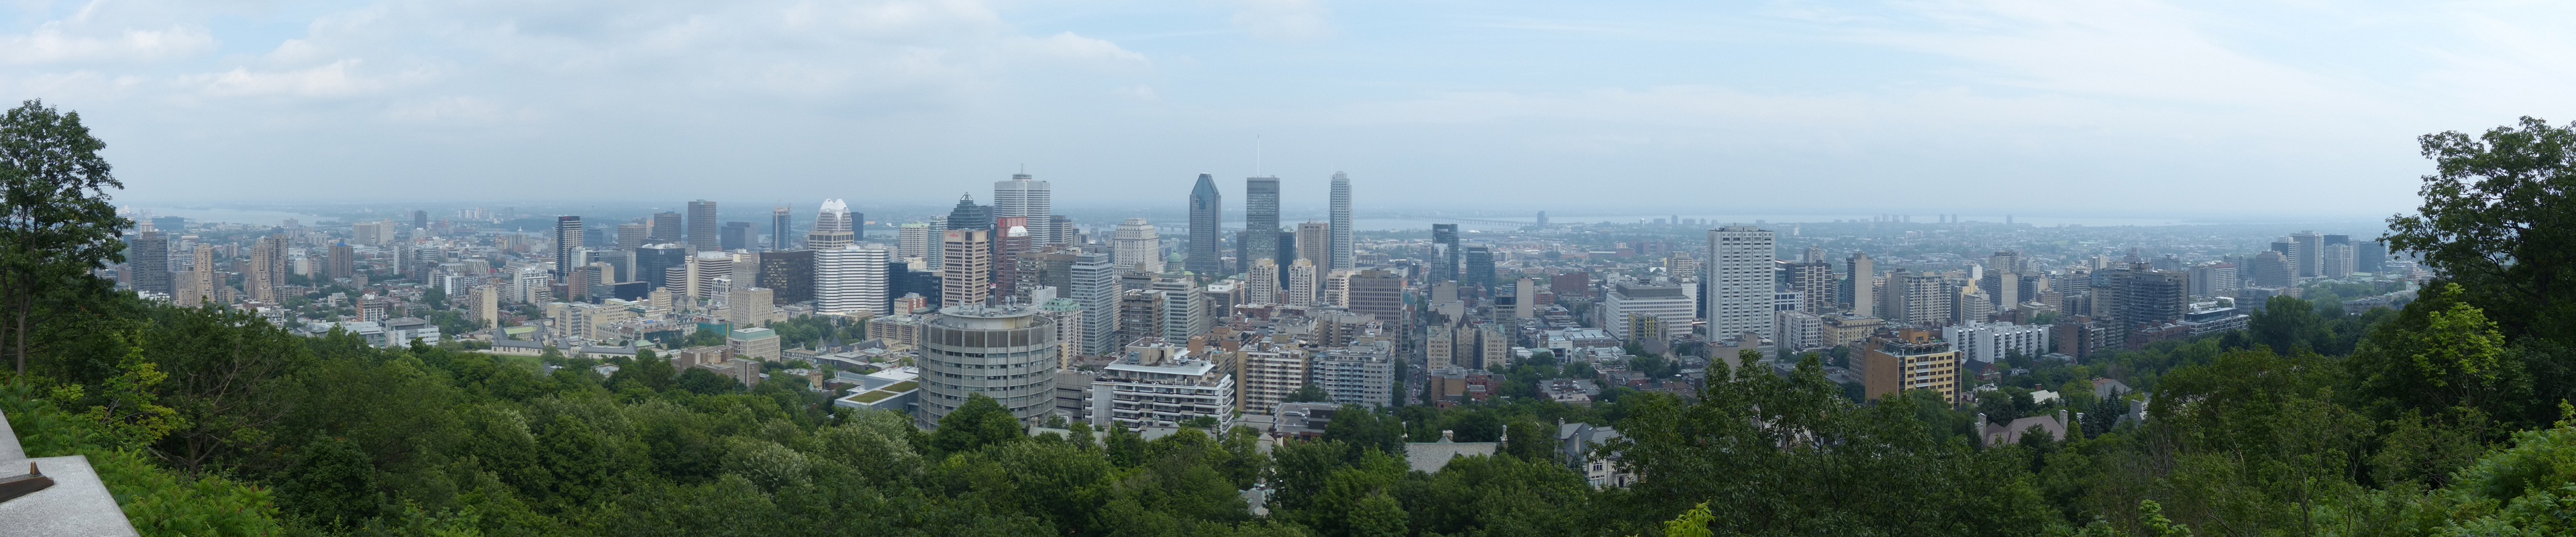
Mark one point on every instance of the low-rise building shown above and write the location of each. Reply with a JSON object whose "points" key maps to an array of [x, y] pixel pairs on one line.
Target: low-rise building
{"points": [[753, 343], [1362, 373], [1157, 384], [1909, 359]]}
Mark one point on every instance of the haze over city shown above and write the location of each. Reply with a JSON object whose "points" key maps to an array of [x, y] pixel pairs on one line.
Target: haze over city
{"points": [[1286, 268], [2183, 109]]}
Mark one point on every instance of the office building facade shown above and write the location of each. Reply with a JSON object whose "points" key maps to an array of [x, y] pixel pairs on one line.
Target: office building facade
{"points": [[1025, 197], [1342, 256], [1207, 213], [1261, 219], [1739, 281], [702, 226]]}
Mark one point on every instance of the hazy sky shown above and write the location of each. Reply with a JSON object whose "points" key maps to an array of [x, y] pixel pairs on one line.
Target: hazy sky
{"points": [[2038, 106]]}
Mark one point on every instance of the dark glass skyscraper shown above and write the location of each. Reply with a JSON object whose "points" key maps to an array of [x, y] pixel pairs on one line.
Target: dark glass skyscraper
{"points": [[702, 226], [652, 259], [734, 236], [1207, 212], [778, 233], [1261, 219], [968, 215], [568, 237], [1480, 269], [1445, 238]]}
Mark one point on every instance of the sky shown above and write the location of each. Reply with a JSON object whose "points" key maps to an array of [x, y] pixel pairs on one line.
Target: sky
{"points": [[2127, 107]]}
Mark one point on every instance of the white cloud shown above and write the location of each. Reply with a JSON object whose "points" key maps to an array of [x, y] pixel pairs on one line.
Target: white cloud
{"points": [[1287, 20], [1067, 46], [336, 79], [54, 42]]}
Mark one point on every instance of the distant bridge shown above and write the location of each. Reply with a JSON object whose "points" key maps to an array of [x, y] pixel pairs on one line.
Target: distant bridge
{"points": [[1447, 219]]}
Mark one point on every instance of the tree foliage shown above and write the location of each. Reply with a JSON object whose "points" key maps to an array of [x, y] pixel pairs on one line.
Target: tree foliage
{"points": [[56, 225], [2499, 215]]}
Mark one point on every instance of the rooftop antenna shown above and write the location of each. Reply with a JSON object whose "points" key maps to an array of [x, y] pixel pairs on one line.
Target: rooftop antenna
{"points": [[1256, 155]]}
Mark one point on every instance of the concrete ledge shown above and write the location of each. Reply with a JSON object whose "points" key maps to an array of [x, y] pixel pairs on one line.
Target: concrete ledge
{"points": [[77, 504], [9, 450]]}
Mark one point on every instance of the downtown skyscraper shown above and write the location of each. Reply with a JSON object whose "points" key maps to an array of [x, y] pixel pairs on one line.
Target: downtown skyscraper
{"points": [[1444, 240], [568, 237], [833, 227], [1207, 213], [702, 226], [1341, 248], [1025, 197], [1260, 219], [1740, 281], [778, 235]]}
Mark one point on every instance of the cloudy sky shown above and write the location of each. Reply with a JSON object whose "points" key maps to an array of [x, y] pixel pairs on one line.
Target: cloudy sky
{"points": [[2035, 106]]}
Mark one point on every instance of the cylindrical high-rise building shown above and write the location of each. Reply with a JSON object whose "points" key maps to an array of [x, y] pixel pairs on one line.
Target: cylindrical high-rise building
{"points": [[1138, 247], [1007, 353], [1342, 247], [850, 279], [1022, 196]]}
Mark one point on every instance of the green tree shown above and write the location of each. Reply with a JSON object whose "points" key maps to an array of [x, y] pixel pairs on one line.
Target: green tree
{"points": [[56, 224], [1364, 428], [978, 423], [2439, 354], [2496, 217], [1310, 393], [332, 482], [1377, 516]]}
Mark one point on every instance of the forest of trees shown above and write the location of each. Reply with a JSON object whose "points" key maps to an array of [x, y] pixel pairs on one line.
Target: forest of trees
{"points": [[2450, 416]]}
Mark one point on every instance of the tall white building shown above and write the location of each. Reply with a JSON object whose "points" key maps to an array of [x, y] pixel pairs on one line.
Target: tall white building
{"points": [[1302, 286], [1739, 281], [1261, 281], [833, 228], [1138, 247], [1095, 288], [1067, 315], [1342, 258], [851, 279], [1023, 196], [1185, 308]]}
